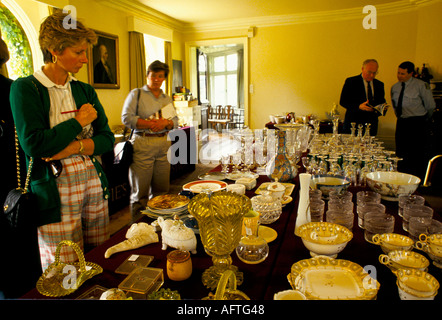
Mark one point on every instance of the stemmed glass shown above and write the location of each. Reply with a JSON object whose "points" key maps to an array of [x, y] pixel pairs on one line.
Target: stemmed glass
{"points": [[394, 162], [236, 160], [225, 161], [335, 169], [306, 163]]}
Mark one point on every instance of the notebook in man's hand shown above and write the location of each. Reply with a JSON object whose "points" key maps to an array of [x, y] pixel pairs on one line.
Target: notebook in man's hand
{"points": [[168, 111], [381, 109]]}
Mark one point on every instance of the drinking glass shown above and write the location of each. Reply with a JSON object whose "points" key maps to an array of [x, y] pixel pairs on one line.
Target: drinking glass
{"points": [[317, 210], [377, 223], [341, 206], [419, 225], [345, 219], [405, 199], [362, 210], [315, 194], [415, 210], [236, 160], [225, 161], [343, 196]]}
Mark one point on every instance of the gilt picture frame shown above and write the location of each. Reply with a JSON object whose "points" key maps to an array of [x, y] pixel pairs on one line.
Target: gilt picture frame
{"points": [[103, 62]]}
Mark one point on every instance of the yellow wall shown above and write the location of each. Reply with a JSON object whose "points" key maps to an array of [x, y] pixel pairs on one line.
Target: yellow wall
{"points": [[298, 67]]}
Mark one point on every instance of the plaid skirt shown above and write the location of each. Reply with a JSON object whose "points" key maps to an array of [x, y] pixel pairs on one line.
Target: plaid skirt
{"points": [[84, 212]]}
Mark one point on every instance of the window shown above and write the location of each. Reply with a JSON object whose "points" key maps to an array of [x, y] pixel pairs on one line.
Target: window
{"points": [[20, 57], [218, 75], [224, 79], [154, 50]]}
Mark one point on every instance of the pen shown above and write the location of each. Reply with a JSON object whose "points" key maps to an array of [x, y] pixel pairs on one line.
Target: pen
{"points": [[64, 112], [70, 111]]}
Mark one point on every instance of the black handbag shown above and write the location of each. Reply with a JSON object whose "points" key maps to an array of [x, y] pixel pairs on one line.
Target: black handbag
{"points": [[123, 153], [20, 205]]}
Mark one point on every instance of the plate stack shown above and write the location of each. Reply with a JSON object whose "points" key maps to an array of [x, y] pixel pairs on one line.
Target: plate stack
{"points": [[166, 206]]}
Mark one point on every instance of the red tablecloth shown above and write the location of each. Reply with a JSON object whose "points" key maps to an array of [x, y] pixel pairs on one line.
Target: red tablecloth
{"points": [[261, 281]]}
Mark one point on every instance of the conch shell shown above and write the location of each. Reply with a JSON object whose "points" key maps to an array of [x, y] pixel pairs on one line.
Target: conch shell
{"points": [[138, 235]]}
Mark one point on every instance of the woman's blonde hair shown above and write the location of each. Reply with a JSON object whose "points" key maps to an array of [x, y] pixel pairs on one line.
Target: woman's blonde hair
{"points": [[56, 34]]}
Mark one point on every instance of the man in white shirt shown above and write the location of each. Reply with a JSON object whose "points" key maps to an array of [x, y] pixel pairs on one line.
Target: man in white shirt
{"points": [[413, 104]]}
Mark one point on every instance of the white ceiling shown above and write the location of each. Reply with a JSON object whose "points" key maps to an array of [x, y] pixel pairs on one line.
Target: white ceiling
{"points": [[208, 11]]}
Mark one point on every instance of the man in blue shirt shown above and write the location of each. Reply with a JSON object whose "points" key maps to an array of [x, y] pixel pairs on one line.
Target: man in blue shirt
{"points": [[413, 104]]}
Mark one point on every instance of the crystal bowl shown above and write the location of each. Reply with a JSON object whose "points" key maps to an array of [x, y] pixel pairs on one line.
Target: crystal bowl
{"points": [[328, 183], [324, 238], [392, 184]]}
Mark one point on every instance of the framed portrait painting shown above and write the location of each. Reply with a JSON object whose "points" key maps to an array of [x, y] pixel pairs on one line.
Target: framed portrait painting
{"points": [[103, 64]]}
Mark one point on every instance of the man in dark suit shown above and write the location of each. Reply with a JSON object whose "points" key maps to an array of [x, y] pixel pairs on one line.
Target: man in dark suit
{"points": [[359, 94], [102, 70]]}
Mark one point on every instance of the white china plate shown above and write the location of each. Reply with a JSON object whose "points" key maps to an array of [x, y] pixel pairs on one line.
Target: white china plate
{"points": [[238, 175], [288, 188], [215, 175], [324, 278], [198, 186]]}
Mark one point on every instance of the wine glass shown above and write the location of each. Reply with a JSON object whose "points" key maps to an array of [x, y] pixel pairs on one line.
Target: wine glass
{"points": [[236, 160], [225, 161], [306, 163]]}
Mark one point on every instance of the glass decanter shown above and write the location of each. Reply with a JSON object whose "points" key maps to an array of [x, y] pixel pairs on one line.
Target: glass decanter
{"points": [[252, 248]]}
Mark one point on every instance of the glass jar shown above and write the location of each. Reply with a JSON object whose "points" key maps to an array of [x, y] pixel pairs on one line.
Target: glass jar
{"points": [[179, 265], [252, 248], [270, 209]]}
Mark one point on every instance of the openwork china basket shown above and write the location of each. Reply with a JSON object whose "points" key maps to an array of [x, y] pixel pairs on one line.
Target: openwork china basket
{"points": [[61, 279]]}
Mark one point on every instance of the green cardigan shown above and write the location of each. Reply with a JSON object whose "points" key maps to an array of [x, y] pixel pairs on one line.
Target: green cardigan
{"points": [[30, 105]]}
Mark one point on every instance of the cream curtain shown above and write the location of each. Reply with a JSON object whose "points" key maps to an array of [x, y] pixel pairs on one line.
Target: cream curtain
{"points": [[168, 58], [137, 60]]}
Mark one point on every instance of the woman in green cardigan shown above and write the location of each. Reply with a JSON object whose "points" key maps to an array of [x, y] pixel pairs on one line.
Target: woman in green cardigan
{"points": [[60, 121]]}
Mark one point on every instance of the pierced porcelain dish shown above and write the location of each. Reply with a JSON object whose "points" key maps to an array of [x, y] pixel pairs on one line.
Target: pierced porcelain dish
{"points": [[324, 278], [433, 241], [324, 238], [416, 285], [393, 241], [401, 259]]}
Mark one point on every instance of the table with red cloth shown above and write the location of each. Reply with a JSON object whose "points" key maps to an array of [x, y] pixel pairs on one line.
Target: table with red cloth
{"points": [[261, 281]]}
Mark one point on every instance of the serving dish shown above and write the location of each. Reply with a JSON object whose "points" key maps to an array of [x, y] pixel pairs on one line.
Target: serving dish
{"points": [[328, 183], [416, 285], [198, 186], [267, 233], [215, 175], [168, 202], [393, 241], [392, 184], [324, 238], [325, 278], [238, 175], [401, 259], [433, 241], [289, 187]]}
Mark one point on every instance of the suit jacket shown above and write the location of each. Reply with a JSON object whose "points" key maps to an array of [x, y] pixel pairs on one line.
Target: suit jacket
{"points": [[352, 95]]}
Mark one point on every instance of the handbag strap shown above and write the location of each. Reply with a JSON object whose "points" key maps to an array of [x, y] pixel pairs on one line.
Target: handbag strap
{"points": [[28, 175], [138, 101]]}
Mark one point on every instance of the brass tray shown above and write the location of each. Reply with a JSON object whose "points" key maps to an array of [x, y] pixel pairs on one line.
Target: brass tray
{"points": [[324, 278]]}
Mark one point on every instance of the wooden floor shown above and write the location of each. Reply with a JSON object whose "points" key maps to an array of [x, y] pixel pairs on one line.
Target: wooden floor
{"points": [[123, 217], [209, 155]]}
